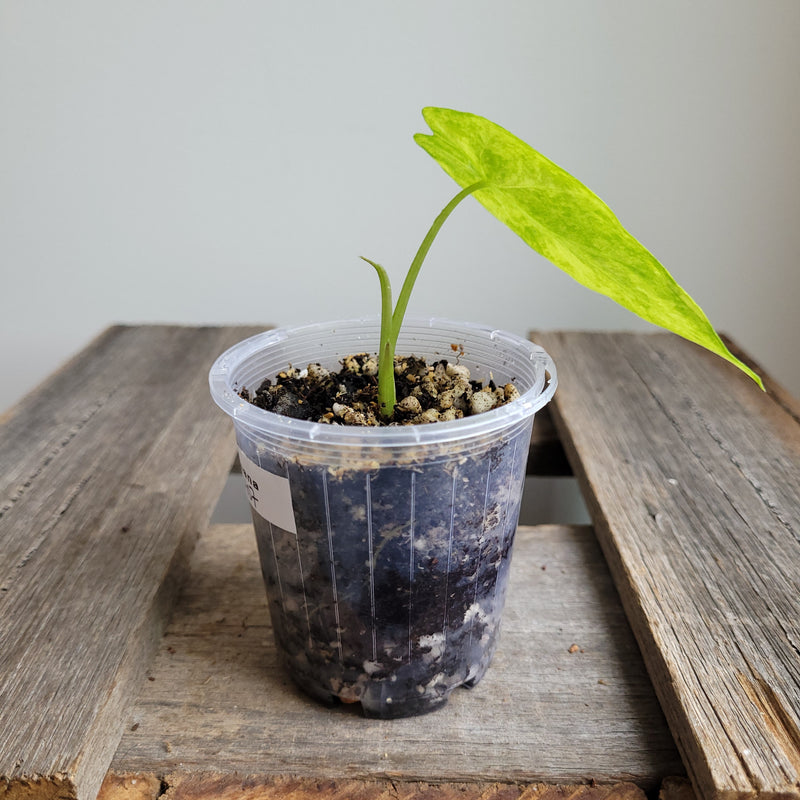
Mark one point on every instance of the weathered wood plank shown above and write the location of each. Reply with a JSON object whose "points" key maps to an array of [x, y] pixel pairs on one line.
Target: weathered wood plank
{"points": [[216, 700], [775, 390], [132, 787], [211, 786], [107, 473], [692, 476]]}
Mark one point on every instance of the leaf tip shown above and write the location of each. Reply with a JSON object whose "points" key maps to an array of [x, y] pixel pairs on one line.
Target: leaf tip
{"points": [[434, 114]]}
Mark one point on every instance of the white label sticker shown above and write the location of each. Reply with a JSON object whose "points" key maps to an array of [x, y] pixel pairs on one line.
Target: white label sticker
{"points": [[269, 494]]}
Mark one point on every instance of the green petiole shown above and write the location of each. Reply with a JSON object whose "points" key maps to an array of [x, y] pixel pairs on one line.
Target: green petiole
{"points": [[387, 397], [392, 320]]}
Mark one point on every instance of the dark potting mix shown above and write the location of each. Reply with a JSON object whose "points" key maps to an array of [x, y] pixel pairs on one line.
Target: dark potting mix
{"points": [[436, 393], [387, 584]]}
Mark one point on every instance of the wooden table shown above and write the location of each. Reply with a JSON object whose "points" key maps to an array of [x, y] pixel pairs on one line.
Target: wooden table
{"points": [[663, 641]]}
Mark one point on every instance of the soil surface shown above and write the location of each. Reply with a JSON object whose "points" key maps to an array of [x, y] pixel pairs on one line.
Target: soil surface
{"points": [[425, 392]]}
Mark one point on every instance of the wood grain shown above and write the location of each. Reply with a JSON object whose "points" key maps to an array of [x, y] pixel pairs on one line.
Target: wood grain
{"points": [[566, 700], [692, 476], [107, 473], [132, 787], [228, 787]]}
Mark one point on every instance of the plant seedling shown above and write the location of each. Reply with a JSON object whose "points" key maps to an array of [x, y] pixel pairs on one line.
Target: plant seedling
{"points": [[558, 217]]}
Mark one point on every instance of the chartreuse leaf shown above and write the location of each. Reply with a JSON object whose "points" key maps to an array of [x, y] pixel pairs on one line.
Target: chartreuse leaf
{"points": [[565, 221]]}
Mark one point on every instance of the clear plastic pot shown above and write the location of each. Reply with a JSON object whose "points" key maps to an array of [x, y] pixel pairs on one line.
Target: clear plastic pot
{"points": [[385, 551]]}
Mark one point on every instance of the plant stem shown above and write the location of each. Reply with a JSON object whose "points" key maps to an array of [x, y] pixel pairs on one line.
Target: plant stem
{"points": [[391, 322], [416, 264], [387, 397]]}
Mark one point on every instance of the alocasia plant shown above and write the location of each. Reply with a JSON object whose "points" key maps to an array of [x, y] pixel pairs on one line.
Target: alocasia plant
{"points": [[558, 217]]}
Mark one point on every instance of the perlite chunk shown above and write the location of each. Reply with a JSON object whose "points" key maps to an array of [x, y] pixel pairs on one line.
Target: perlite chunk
{"points": [[482, 401], [510, 392], [410, 405], [431, 415]]}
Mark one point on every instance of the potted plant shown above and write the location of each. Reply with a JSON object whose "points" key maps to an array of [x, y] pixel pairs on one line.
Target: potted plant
{"points": [[385, 547]]}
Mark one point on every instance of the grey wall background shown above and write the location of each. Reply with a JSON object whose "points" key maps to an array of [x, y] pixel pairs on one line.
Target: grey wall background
{"points": [[192, 161]]}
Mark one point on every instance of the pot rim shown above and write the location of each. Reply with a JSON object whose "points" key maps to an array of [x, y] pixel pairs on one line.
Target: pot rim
{"points": [[224, 388]]}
